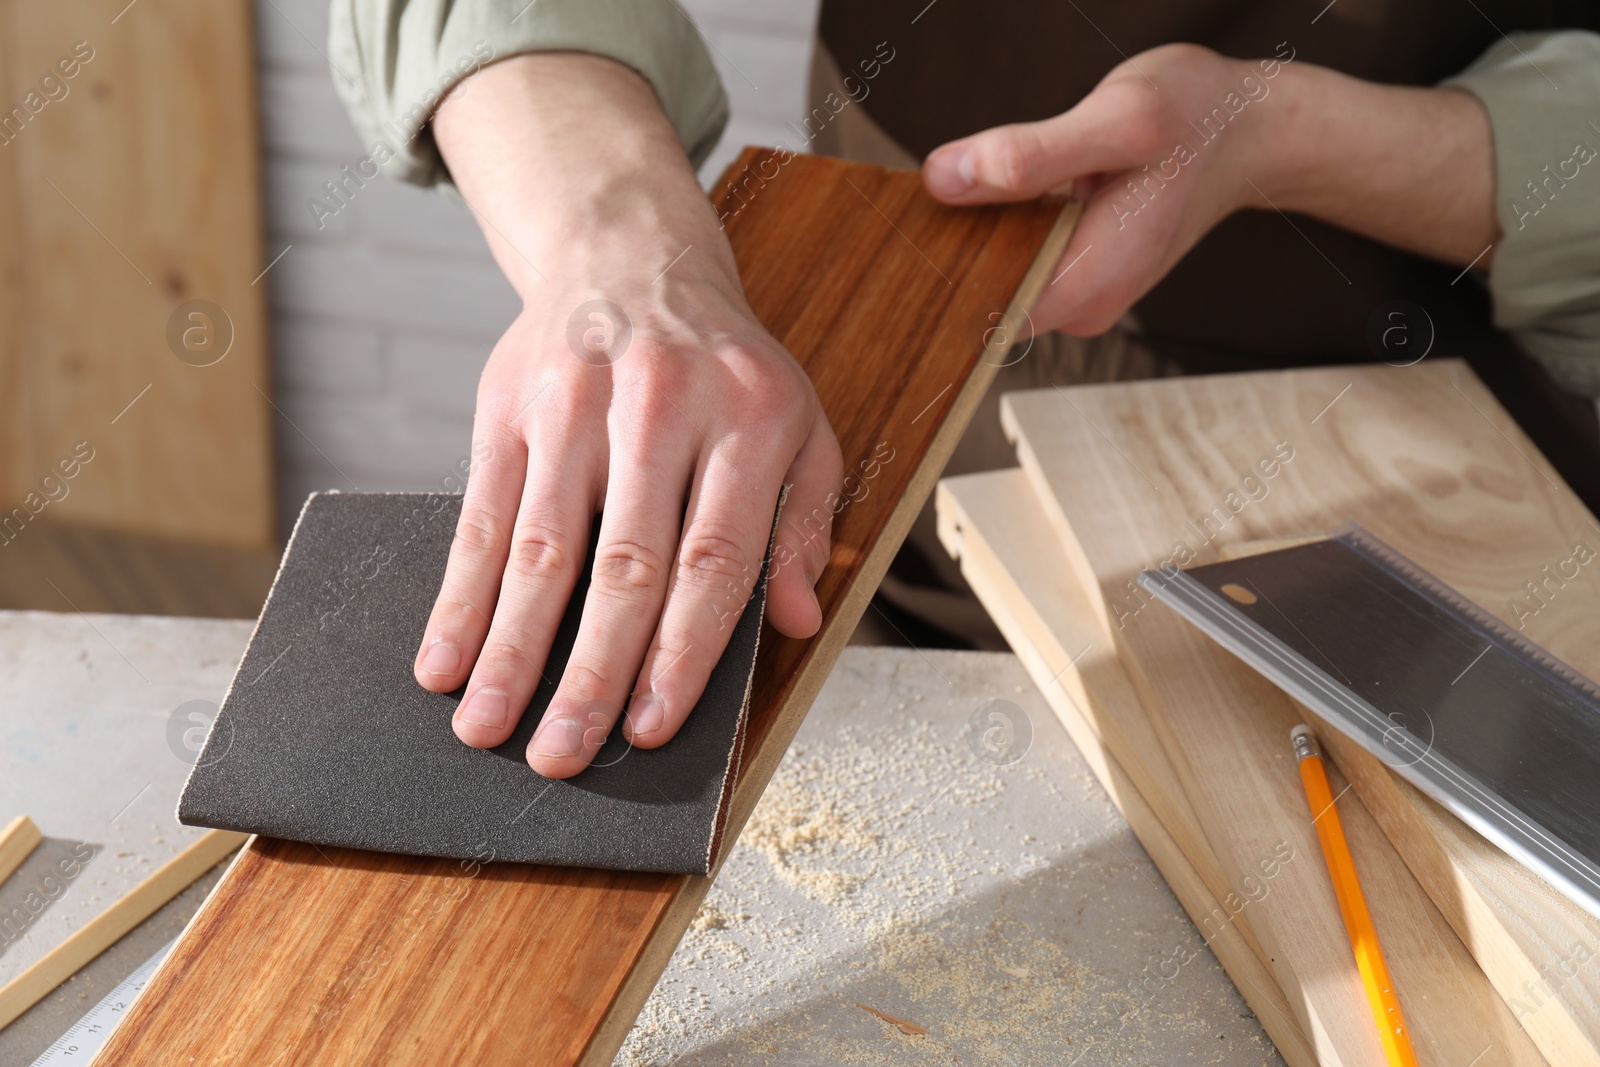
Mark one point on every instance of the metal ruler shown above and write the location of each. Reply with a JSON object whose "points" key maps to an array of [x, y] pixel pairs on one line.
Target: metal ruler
{"points": [[83, 1041], [1467, 709]]}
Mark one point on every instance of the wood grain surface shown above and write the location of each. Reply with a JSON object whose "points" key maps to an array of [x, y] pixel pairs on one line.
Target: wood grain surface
{"points": [[1536, 946], [106, 928], [18, 839], [1006, 543], [311, 956], [58, 566], [1425, 458], [1008, 553], [988, 523], [129, 187]]}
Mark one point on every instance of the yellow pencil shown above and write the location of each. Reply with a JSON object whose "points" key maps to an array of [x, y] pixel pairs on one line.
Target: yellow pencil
{"points": [[1352, 903]]}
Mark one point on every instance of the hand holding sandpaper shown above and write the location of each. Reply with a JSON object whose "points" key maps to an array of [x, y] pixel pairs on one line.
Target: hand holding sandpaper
{"points": [[326, 737], [637, 377]]}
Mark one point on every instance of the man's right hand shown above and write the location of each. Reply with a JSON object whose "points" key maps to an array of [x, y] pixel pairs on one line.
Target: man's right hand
{"points": [[637, 381]]}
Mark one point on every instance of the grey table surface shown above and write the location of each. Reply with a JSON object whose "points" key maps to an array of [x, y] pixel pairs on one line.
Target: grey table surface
{"points": [[899, 864]]}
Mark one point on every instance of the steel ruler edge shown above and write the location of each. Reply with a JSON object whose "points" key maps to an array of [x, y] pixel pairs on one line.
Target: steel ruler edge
{"points": [[1521, 836], [84, 1038]]}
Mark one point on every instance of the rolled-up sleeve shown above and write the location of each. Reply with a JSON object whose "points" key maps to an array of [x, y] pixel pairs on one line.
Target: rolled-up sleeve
{"points": [[1542, 94], [394, 61]]}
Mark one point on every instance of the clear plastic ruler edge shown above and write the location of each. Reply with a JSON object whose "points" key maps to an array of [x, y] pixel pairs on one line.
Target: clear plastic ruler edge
{"points": [[85, 1038]]}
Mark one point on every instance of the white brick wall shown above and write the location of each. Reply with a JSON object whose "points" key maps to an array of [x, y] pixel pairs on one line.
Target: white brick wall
{"points": [[382, 319]]}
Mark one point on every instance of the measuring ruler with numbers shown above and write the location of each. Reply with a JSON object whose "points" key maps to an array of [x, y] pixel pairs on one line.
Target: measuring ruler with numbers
{"points": [[83, 1041]]}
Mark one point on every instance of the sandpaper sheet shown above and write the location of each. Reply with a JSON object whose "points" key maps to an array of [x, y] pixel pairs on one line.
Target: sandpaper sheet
{"points": [[326, 737]]}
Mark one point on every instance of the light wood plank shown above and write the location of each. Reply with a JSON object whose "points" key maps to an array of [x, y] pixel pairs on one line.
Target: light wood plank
{"points": [[17, 841], [1127, 469], [983, 521], [1006, 544], [1535, 945], [991, 524], [130, 195], [61, 567], [104, 930], [310, 956]]}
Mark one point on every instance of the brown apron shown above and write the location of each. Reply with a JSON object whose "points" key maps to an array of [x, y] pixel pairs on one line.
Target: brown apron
{"points": [[1253, 294]]}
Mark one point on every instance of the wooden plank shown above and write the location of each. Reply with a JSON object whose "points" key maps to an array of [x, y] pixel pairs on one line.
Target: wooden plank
{"points": [[310, 956], [1133, 471], [60, 567], [131, 188], [1006, 544], [18, 839], [1056, 618], [105, 929], [1534, 944], [993, 526]]}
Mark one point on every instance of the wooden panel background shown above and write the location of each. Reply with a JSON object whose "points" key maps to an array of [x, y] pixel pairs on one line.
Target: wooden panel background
{"points": [[133, 193], [311, 956]]}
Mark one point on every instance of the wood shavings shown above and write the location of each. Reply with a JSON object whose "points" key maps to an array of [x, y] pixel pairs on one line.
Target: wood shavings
{"points": [[854, 882], [905, 1026]]}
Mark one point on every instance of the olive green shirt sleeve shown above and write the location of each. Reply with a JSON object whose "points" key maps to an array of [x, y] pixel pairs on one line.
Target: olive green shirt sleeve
{"points": [[1542, 93], [394, 60]]}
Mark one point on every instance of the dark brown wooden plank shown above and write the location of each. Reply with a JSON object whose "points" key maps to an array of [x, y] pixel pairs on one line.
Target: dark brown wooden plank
{"points": [[308, 956]]}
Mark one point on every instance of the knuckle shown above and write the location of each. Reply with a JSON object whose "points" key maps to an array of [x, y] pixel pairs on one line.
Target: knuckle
{"points": [[769, 394], [710, 555], [1014, 158], [647, 401], [1145, 124], [628, 570], [537, 553], [477, 532], [658, 378], [764, 413], [587, 681], [652, 410], [1181, 53], [502, 660], [1144, 134], [452, 612], [500, 409]]}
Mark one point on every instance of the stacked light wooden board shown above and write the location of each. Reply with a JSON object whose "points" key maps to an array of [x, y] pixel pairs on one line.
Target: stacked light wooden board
{"points": [[305, 955], [1492, 965]]}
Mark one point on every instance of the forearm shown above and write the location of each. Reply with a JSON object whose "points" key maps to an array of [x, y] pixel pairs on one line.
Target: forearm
{"points": [[574, 171], [1409, 167]]}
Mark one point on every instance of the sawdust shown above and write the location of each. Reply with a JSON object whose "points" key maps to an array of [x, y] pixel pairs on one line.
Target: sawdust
{"points": [[847, 827], [885, 867], [712, 917]]}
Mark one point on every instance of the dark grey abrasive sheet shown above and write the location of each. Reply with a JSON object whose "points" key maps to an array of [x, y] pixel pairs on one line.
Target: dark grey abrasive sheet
{"points": [[326, 737]]}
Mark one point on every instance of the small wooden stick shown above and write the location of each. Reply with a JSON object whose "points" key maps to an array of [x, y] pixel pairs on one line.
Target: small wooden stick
{"points": [[19, 838], [103, 931]]}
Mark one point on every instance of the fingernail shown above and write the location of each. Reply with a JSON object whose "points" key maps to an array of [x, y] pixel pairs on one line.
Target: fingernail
{"points": [[950, 173], [486, 707], [441, 658], [558, 737], [644, 717]]}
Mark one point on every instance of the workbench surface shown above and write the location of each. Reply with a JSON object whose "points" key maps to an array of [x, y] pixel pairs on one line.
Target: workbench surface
{"points": [[895, 864]]}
